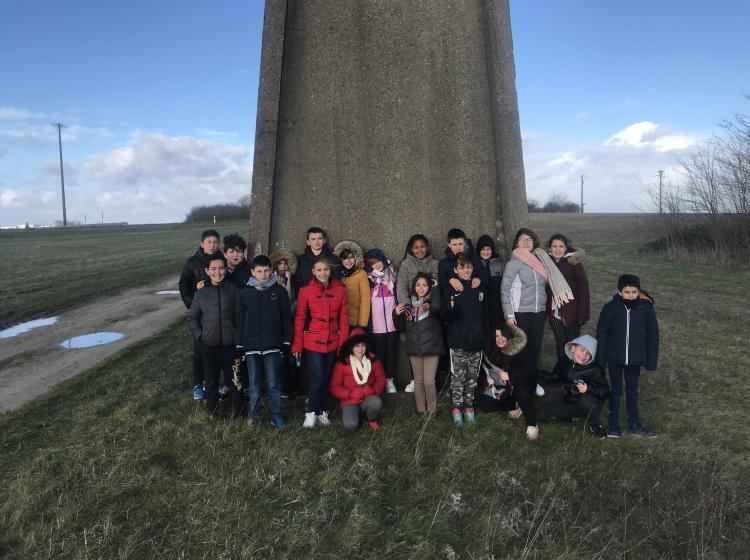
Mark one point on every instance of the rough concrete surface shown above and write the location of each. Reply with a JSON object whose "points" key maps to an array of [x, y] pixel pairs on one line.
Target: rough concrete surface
{"points": [[393, 117], [32, 363]]}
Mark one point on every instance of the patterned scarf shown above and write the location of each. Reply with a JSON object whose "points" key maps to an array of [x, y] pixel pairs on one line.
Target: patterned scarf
{"points": [[386, 278], [253, 283]]}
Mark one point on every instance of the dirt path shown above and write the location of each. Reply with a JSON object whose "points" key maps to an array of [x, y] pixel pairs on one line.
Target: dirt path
{"points": [[33, 362]]}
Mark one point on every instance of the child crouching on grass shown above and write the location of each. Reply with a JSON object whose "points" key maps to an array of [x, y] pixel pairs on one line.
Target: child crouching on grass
{"points": [[211, 322], [465, 313], [264, 331]]}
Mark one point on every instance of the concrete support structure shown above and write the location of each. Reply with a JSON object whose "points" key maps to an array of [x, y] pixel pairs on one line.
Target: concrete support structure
{"points": [[378, 119]]}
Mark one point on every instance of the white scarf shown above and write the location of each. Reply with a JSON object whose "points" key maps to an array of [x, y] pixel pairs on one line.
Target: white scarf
{"points": [[361, 370]]}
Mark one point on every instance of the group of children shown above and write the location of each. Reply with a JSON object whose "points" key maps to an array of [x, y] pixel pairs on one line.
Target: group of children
{"points": [[342, 312]]}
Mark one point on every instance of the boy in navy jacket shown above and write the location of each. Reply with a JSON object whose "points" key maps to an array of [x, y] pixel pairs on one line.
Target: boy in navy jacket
{"points": [[628, 336], [264, 330]]}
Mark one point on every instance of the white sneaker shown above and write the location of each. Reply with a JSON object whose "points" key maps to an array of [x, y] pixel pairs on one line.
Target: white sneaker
{"points": [[516, 413], [410, 387], [532, 432], [539, 390], [322, 419], [389, 386], [309, 420]]}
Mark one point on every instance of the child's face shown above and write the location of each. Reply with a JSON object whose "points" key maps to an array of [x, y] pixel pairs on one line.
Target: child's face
{"points": [[322, 272], [210, 245], [316, 242], [421, 288], [629, 292], [378, 265], [457, 245], [359, 350], [349, 262], [234, 256], [282, 266], [419, 249], [580, 354], [464, 272], [500, 340], [216, 271], [261, 273], [557, 249], [485, 253]]}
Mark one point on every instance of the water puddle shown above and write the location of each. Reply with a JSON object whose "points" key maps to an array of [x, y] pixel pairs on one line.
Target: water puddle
{"points": [[27, 326], [168, 293], [93, 339]]}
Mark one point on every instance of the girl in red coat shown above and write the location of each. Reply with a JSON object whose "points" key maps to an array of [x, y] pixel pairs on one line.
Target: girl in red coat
{"points": [[358, 381], [321, 327]]}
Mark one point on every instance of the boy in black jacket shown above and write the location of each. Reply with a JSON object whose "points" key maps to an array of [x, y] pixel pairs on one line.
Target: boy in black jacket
{"points": [[465, 312], [238, 269], [585, 386], [264, 331], [211, 322], [192, 278], [628, 335]]}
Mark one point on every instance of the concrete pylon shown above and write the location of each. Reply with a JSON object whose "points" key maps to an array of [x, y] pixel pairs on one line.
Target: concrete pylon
{"points": [[378, 119]]}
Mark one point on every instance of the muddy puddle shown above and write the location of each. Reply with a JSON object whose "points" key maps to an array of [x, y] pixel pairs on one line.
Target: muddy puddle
{"points": [[21, 328], [92, 339]]}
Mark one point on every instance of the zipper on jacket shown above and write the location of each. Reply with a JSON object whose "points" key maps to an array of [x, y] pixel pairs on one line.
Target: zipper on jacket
{"points": [[536, 291], [221, 322], [627, 334]]}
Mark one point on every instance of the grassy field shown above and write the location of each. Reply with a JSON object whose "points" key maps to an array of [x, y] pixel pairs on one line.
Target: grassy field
{"points": [[65, 267], [120, 463]]}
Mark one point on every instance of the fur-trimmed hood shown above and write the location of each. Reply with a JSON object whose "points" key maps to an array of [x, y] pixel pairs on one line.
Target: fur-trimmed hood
{"points": [[281, 254], [576, 256], [356, 336], [516, 343], [352, 246]]}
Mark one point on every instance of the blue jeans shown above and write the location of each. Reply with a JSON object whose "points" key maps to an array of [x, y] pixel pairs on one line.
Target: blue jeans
{"points": [[320, 372], [266, 367], [631, 374]]}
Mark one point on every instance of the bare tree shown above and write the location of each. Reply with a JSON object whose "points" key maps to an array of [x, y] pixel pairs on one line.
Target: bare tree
{"points": [[701, 168], [734, 161]]}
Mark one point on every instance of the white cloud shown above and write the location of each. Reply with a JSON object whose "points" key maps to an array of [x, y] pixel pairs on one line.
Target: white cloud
{"points": [[210, 132], [647, 134], [17, 113], [52, 167], [581, 116], [616, 170]]}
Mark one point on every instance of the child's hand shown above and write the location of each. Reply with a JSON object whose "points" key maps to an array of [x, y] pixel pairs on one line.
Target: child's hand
{"points": [[504, 375], [582, 388], [200, 284], [511, 321], [426, 305], [400, 308], [475, 283], [456, 283]]}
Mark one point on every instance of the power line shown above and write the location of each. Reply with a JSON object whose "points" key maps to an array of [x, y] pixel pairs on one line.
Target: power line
{"points": [[60, 126]]}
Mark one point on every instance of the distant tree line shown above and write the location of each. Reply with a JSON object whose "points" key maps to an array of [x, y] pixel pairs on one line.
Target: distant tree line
{"points": [[706, 208], [239, 210], [557, 202]]}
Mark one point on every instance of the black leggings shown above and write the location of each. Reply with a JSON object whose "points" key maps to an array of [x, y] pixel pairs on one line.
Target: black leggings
{"points": [[563, 334], [533, 325], [385, 350]]}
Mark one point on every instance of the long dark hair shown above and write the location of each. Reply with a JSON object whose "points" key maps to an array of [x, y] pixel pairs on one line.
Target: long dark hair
{"points": [[424, 276], [413, 239]]}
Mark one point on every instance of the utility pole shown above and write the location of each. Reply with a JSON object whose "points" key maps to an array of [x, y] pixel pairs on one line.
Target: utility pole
{"points": [[582, 178], [661, 176], [60, 126]]}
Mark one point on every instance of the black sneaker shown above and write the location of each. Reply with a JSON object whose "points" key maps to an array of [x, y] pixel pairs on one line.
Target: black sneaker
{"points": [[642, 431], [597, 431]]}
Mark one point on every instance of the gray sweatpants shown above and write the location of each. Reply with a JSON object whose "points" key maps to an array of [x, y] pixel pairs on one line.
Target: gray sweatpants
{"points": [[370, 408]]}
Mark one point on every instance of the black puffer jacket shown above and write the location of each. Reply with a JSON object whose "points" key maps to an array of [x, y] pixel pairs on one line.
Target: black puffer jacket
{"points": [[240, 275], [211, 315], [467, 317], [590, 373], [424, 337], [263, 319], [192, 272]]}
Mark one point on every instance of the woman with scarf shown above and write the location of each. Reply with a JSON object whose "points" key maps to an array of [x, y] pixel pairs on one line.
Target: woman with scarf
{"points": [[566, 320], [358, 381], [356, 282], [524, 289], [382, 303]]}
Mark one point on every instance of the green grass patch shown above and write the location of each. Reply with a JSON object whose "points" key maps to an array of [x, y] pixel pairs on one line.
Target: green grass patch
{"points": [[121, 463], [65, 267]]}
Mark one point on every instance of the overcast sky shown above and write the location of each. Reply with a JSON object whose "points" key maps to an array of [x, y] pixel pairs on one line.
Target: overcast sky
{"points": [[159, 99]]}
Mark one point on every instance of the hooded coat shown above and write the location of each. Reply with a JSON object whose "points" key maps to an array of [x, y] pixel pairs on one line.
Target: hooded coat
{"points": [[576, 311], [408, 270], [286, 281], [344, 386], [320, 320], [501, 358], [382, 296], [494, 268], [591, 373], [628, 336], [357, 285]]}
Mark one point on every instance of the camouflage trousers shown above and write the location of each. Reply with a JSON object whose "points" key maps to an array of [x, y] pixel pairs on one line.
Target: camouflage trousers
{"points": [[464, 374]]}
